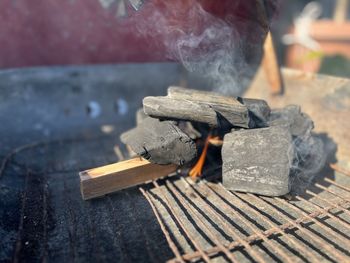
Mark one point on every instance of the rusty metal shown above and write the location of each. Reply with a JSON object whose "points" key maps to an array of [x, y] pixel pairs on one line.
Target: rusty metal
{"points": [[171, 243], [338, 185], [199, 222], [331, 201], [316, 220], [256, 231], [339, 169], [274, 229], [283, 237], [183, 226], [322, 209], [332, 192], [208, 209], [305, 231]]}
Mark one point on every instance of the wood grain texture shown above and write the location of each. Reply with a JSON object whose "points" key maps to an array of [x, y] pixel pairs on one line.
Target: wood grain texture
{"points": [[259, 110], [206, 107], [271, 67], [203, 96], [107, 179]]}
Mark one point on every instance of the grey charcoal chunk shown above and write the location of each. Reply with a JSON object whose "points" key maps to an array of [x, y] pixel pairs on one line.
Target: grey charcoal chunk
{"points": [[188, 128], [160, 142], [259, 112], [140, 116], [216, 114], [258, 160], [299, 123]]}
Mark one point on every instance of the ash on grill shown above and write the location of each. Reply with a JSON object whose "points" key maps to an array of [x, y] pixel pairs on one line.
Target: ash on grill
{"points": [[260, 146]]}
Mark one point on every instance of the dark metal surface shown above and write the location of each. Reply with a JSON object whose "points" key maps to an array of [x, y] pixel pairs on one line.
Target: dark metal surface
{"points": [[47, 135]]}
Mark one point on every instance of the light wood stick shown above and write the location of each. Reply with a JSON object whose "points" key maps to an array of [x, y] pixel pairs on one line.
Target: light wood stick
{"points": [[271, 66], [114, 177], [341, 11]]}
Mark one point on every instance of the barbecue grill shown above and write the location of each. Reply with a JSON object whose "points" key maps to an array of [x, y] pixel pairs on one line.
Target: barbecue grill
{"points": [[49, 134]]}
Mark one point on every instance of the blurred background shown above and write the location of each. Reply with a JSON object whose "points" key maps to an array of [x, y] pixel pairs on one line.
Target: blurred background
{"points": [[321, 36], [312, 36]]}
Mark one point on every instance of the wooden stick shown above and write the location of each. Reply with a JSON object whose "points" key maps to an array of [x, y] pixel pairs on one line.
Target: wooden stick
{"points": [[114, 177], [271, 67], [340, 11]]}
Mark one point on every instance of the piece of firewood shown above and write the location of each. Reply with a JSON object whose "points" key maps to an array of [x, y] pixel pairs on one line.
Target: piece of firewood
{"points": [[203, 109], [341, 11], [202, 96], [259, 110], [272, 67], [114, 177]]}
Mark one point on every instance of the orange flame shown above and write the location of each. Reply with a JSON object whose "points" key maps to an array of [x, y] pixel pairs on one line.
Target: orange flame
{"points": [[196, 171]]}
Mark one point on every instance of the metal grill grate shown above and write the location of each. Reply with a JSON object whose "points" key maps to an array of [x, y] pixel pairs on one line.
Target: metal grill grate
{"points": [[203, 221]]}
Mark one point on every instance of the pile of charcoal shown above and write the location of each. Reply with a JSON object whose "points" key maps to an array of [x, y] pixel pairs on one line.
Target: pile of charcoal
{"points": [[260, 147]]}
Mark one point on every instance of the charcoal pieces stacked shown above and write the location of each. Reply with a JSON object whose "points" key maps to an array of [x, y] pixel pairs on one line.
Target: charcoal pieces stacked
{"points": [[259, 148]]}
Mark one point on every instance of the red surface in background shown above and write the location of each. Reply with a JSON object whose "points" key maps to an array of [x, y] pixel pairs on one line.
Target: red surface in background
{"points": [[53, 32]]}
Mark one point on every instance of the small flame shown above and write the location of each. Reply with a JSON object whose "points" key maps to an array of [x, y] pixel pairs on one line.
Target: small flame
{"points": [[196, 171]]}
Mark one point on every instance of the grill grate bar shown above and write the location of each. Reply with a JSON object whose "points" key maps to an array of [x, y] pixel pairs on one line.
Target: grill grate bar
{"points": [[315, 220], [252, 227], [171, 243], [337, 185], [229, 227], [200, 223], [182, 224], [267, 233], [332, 192], [339, 169], [336, 205], [275, 229], [320, 208], [331, 249]]}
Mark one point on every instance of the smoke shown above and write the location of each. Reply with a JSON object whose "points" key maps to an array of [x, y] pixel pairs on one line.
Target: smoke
{"points": [[206, 45], [215, 55], [309, 154], [309, 159]]}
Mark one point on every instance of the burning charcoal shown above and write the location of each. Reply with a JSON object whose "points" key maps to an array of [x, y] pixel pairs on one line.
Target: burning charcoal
{"points": [[226, 113], [259, 112], [258, 160], [160, 142], [299, 123]]}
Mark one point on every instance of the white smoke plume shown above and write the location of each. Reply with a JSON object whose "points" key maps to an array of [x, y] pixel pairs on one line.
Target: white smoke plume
{"points": [[205, 44]]}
